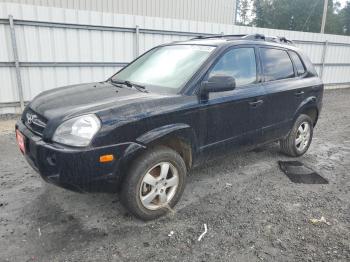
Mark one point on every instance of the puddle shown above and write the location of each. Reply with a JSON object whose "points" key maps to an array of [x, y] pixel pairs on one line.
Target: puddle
{"points": [[298, 173]]}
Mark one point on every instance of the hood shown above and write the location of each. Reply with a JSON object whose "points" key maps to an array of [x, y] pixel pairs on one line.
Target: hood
{"points": [[66, 102]]}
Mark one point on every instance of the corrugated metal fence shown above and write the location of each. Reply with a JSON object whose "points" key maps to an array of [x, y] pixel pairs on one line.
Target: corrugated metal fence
{"points": [[42, 47], [220, 11]]}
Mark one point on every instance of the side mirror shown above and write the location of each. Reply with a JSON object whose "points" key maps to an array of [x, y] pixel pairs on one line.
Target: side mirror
{"points": [[217, 83]]}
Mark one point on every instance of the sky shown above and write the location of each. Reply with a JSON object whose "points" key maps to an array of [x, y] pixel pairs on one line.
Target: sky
{"points": [[342, 2]]}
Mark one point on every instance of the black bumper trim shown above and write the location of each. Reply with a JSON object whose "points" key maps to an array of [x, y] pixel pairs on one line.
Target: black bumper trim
{"points": [[74, 169]]}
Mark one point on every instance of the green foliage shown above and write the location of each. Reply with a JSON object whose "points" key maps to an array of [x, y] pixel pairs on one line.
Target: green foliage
{"points": [[345, 18], [301, 15], [243, 12]]}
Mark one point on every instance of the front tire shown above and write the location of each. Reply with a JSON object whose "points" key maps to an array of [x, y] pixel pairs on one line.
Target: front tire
{"points": [[299, 138], [155, 182]]}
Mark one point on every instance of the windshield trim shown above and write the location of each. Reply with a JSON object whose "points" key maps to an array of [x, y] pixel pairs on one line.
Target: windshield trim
{"points": [[183, 86]]}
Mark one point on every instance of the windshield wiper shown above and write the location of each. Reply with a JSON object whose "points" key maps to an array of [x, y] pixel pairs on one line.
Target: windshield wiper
{"points": [[140, 88]]}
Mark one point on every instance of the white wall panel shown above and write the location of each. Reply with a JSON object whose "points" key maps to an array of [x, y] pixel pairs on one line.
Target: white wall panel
{"points": [[336, 74], [338, 54], [5, 44], [314, 51], [8, 90], [44, 44], [218, 11]]}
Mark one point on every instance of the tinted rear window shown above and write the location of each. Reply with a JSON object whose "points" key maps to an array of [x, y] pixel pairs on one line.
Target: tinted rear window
{"points": [[297, 62], [276, 63]]}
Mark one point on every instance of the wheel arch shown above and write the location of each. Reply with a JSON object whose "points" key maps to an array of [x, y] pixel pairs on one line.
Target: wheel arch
{"points": [[179, 137], [308, 107]]}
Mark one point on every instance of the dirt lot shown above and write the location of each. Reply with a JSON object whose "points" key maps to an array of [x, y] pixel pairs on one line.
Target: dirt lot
{"points": [[253, 211]]}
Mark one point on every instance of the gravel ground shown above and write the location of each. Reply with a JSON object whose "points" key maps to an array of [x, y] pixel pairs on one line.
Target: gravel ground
{"points": [[253, 211], [7, 123]]}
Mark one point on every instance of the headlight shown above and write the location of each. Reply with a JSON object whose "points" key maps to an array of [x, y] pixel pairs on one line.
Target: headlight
{"points": [[77, 131]]}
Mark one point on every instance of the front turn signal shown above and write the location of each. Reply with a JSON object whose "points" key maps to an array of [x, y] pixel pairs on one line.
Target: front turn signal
{"points": [[106, 158]]}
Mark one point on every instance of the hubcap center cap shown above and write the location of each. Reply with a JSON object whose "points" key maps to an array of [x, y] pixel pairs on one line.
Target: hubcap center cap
{"points": [[160, 187]]}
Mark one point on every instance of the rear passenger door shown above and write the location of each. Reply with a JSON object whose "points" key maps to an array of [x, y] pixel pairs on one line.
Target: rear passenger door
{"points": [[283, 94]]}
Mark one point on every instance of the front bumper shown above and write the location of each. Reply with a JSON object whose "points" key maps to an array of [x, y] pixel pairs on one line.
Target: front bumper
{"points": [[72, 168]]}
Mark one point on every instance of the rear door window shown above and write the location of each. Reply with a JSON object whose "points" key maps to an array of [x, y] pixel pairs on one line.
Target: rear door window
{"points": [[276, 64], [297, 62]]}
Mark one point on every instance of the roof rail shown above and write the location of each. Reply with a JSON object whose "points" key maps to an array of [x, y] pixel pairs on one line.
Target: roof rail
{"points": [[279, 39], [254, 37], [216, 36], [285, 40], [276, 39]]}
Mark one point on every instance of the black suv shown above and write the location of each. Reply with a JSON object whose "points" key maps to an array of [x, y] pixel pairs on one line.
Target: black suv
{"points": [[173, 107]]}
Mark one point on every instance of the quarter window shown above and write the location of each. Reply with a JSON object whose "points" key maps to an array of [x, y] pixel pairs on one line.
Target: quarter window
{"points": [[239, 63], [276, 63], [297, 62]]}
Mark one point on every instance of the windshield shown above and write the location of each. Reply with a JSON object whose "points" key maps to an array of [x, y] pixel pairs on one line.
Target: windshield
{"points": [[165, 69]]}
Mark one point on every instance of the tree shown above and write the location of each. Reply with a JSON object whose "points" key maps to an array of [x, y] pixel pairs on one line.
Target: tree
{"points": [[261, 12], [333, 22], [345, 18], [298, 15], [244, 7]]}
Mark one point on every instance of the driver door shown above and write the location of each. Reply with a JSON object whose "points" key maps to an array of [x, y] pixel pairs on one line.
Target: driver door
{"points": [[235, 118]]}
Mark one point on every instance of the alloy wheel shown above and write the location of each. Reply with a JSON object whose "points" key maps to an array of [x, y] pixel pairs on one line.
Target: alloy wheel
{"points": [[303, 136], [159, 186]]}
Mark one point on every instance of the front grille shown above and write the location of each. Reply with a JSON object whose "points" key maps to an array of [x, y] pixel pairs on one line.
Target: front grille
{"points": [[34, 122]]}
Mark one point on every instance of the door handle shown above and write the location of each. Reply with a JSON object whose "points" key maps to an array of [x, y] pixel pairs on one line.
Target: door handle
{"points": [[300, 93], [256, 103]]}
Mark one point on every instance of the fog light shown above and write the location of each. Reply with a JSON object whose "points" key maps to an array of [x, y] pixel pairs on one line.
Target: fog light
{"points": [[106, 158]]}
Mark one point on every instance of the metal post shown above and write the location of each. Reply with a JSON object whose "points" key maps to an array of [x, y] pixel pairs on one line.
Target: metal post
{"points": [[137, 41], [323, 59], [15, 56], [324, 16]]}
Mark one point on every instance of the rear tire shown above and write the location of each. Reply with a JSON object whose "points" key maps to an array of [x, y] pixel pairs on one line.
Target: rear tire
{"points": [[299, 138], [155, 182]]}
